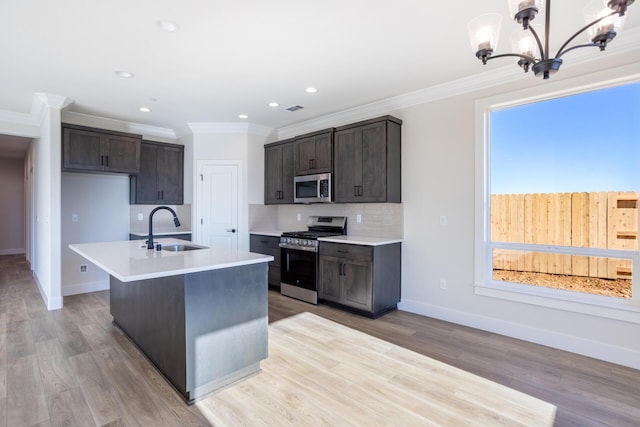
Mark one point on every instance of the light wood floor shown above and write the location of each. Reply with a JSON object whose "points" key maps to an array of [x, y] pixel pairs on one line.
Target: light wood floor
{"points": [[73, 367]]}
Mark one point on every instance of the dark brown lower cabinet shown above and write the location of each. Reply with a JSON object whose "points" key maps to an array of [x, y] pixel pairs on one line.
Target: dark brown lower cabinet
{"points": [[268, 245], [362, 279]]}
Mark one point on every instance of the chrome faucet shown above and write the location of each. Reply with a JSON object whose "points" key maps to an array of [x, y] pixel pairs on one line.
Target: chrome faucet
{"points": [[175, 221]]}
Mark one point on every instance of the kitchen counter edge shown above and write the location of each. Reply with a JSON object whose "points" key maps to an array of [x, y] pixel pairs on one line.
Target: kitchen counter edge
{"points": [[128, 261]]}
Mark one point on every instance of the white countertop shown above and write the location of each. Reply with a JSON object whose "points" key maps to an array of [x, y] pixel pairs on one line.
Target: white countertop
{"points": [[361, 240], [166, 233], [131, 260], [274, 233]]}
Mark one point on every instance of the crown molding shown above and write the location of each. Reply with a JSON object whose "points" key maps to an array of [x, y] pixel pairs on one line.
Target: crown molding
{"points": [[147, 131], [42, 102], [628, 43], [229, 127]]}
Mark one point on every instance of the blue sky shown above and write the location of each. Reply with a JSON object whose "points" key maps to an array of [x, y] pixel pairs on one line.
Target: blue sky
{"points": [[585, 142]]}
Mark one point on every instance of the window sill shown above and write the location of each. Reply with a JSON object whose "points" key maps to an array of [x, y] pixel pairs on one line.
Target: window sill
{"points": [[595, 305]]}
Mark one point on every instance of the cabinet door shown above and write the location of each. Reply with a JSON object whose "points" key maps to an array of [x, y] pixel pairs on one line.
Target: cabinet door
{"points": [[330, 286], [273, 175], [374, 163], [147, 180], [322, 162], [313, 154], [278, 174], [122, 154], [305, 153], [358, 285], [171, 175], [348, 165], [82, 150], [287, 173]]}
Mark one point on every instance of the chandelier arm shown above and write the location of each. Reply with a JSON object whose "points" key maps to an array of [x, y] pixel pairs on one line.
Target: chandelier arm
{"points": [[561, 51], [535, 35], [519, 55], [578, 46]]}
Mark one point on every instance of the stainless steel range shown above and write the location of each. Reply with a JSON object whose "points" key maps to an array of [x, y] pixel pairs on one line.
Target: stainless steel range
{"points": [[300, 256]]}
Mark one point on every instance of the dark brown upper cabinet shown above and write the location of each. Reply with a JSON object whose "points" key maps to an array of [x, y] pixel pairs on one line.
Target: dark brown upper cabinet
{"points": [[161, 176], [313, 153], [278, 173], [367, 161], [86, 149]]}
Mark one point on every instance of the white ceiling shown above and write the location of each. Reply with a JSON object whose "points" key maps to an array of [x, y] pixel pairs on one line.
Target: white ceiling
{"points": [[233, 57]]}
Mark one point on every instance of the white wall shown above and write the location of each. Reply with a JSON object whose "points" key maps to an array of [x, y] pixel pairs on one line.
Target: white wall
{"points": [[438, 179], [12, 194], [101, 203], [47, 208]]}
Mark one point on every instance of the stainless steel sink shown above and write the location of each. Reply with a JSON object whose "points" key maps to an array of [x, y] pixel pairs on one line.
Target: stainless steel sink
{"points": [[181, 248]]}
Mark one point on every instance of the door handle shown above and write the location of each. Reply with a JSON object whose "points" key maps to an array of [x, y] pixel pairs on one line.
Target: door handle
{"points": [[231, 230]]}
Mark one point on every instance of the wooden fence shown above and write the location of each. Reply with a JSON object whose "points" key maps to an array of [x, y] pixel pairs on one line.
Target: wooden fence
{"points": [[606, 220]]}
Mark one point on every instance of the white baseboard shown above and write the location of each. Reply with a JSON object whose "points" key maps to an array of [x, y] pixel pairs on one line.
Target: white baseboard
{"points": [[51, 303], [598, 350], [12, 251], [85, 288]]}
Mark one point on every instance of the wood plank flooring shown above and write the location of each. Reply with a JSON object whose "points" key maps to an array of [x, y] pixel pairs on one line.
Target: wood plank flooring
{"points": [[73, 367]]}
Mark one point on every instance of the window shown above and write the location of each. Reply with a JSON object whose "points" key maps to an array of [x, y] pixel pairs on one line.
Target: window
{"points": [[560, 201]]}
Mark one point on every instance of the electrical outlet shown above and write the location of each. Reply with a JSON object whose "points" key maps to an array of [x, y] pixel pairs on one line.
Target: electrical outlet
{"points": [[299, 216], [443, 283], [140, 217], [358, 218], [83, 268], [74, 217], [443, 220]]}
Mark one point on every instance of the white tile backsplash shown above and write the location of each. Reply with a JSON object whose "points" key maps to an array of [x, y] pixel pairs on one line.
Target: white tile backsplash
{"points": [[378, 219]]}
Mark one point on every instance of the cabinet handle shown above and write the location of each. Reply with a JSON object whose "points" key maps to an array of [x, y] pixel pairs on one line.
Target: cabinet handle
{"points": [[162, 195], [355, 191], [310, 164], [107, 158], [101, 160], [158, 195], [343, 251], [342, 270], [359, 190]]}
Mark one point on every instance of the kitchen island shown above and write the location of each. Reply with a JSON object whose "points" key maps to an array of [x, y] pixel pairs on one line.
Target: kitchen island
{"points": [[200, 316]]}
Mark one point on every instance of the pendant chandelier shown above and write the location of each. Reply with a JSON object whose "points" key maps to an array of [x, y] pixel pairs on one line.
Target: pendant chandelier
{"points": [[604, 19]]}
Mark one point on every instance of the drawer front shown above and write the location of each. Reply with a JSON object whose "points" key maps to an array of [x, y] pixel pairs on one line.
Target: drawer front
{"points": [[346, 251], [267, 245]]}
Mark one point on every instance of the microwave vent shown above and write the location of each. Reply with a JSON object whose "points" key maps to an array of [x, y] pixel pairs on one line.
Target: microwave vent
{"points": [[294, 108]]}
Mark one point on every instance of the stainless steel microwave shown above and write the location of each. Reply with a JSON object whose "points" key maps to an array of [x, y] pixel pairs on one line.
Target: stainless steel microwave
{"points": [[312, 188]]}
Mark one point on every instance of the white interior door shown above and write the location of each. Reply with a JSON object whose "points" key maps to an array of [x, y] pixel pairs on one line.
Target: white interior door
{"points": [[217, 203]]}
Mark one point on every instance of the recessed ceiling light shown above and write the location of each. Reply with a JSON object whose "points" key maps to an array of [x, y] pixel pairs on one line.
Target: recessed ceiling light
{"points": [[311, 90], [145, 109], [243, 116], [124, 74], [168, 26], [274, 104], [153, 99]]}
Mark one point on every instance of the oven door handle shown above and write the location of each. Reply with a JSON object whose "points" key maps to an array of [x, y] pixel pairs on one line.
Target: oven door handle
{"points": [[287, 262], [299, 248]]}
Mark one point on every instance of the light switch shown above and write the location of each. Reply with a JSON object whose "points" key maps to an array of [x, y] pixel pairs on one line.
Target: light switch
{"points": [[443, 220], [358, 218], [140, 217], [74, 217]]}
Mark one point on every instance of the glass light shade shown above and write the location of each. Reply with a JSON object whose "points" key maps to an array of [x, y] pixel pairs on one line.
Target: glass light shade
{"points": [[484, 31], [595, 10], [523, 42], [517, 6]]}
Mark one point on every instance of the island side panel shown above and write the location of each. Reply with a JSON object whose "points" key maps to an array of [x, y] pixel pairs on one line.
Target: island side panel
{"points": [[152, 312], [226, 324]]}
